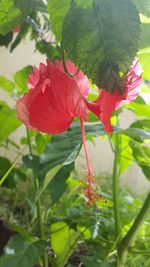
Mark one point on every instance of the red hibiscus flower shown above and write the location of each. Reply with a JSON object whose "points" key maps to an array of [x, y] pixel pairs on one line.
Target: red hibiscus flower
{"points": [[54, 98], [107, 102]]}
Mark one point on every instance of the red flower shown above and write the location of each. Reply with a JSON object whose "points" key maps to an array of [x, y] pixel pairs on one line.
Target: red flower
{"points": [[107, 102], [53, 101], [54, 98]]}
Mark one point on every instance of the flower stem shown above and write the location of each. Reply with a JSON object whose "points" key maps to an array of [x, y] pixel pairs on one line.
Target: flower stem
{"points": [[85, 147], [125, 243], [116, 187], [38, 205], [90, 176]]}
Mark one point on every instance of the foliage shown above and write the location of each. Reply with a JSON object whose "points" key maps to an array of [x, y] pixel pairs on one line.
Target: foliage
{"points": [[43, 204], [92, 44], [13, 13], [19, 252]]}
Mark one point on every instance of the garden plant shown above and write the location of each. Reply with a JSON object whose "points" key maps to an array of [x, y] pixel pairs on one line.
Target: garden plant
{"points": [[97, 66]]}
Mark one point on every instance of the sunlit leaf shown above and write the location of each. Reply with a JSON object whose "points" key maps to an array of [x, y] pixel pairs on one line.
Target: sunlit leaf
{"points": [[13, 13], [8, 121], [20, 78], [6, 84], [57, 10], [63, 241]]}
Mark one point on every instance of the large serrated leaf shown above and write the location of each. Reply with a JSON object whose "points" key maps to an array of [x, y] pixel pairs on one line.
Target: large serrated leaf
{"points": [[101, 37], [20, 252], [13, 13]]}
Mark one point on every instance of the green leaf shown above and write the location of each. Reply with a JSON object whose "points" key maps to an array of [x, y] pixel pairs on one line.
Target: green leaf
{"points": [[40, 5], [144, 57], [89, 261], [22, 232], [6, 84], [101, 37], [142, 124], [5, 166], [126, 158], [8, 121], [20, 78], [63, 241], [57, 185], [41, 141], [48, 178], [143, 6], [57, 10], [6, 39], [20, 252], [13, 13], [23, 32], [137, 134], [64, 148], [141, 110], [32, 162], [142, 157], [144, 38]]}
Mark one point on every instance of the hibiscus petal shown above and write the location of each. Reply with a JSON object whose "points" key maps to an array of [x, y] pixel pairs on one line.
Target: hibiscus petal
{"points": [[107, 102], [51, 106]]}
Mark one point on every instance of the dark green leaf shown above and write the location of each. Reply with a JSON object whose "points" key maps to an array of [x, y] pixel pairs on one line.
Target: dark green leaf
{"points": [[20, 174], [40, 5], [48, 178], [64, 148], [89, 261], [8, 121], [6, 84], [101, 37], [20, 78], [32, 162], [20, 252], [142, 157], [23, 31], [137, 134], [57, 186], [6, 39], [13, 13], [142, 124]]}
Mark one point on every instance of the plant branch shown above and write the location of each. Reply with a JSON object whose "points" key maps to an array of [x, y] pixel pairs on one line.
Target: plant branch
{"points": [[38, 205], [126, 242], [116, 187]]}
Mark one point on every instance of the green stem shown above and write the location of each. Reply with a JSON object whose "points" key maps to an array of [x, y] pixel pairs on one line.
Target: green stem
{"points": [[38, 204], [116, 187], [132, 233], [29, 141]]}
